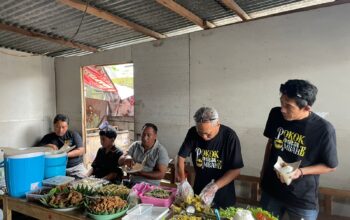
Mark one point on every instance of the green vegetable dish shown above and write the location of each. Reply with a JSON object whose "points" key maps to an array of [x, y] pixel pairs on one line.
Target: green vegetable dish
{"points": [[158, 193]]}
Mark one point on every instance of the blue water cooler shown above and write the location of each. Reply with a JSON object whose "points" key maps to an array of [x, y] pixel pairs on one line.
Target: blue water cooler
{"points": [[23, 172], [55, 165]]}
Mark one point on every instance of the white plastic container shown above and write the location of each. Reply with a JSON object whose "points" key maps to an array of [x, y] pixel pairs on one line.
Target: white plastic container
{"points": [[35, 195], [146, 212]]}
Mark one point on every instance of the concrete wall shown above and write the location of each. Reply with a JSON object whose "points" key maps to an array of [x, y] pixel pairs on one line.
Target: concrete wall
{"points": [[28, 100], [238, 70]]}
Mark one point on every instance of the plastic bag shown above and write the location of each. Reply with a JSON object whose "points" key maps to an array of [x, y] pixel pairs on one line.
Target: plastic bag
{"points": [[208, 193], [185, 191], [285, 170], [133, 199]]}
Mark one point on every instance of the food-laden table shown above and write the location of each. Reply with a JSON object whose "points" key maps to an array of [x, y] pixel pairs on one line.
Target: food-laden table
{"points": [[36, 210]]}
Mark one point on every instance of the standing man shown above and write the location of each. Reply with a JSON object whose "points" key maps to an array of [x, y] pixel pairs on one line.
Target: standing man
{"points": [[151, 153], [216, 155], [62, 136], [295, 133]]}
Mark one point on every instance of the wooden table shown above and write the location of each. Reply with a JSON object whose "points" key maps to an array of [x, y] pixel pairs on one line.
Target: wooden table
{"points": [[36, 210]]}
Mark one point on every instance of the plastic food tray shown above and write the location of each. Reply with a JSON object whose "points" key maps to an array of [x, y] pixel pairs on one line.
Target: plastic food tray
{"points": [[32, 196], [89, 182], [146, 212], [57, 181], [157, 201]]}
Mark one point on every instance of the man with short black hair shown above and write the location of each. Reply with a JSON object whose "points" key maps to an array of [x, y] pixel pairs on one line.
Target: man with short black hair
{"points": [[105, 164], [216, 155], [295, 133], [62, 136], [151, 152]]}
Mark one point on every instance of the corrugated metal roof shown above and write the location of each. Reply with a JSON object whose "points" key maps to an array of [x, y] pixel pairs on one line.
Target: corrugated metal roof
{"points": [[259, 5], [52, 18], [147, 13], [207, 10], [11, 40]]}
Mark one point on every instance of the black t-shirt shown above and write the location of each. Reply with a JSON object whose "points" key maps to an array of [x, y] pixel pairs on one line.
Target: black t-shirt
{"points": [[311, 140], [106, 163], [212, 159], [71, 138]]}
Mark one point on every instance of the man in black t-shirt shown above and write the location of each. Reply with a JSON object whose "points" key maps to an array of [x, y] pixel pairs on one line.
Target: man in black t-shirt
{"points": [[216, 155], [62, 136], [295, 133], [105, 164]]}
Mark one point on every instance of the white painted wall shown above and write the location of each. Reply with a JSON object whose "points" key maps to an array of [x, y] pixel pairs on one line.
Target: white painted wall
{"points": [[238, 70], [28, 100], [241, 75], [162, 89]]}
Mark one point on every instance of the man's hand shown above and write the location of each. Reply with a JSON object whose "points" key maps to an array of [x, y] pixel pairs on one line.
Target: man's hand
{"points": [[128, 161], [296, 174], [208, 193], [52, 146], [180, 175]]}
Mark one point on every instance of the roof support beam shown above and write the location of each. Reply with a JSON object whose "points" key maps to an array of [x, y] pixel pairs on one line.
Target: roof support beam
{"points": [[231, 4], [111, 18], [177, 8], [41, 36]]}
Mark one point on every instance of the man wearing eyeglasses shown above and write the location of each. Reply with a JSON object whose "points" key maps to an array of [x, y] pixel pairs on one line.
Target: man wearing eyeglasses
{"points": [[295, 133], [216, 156]]}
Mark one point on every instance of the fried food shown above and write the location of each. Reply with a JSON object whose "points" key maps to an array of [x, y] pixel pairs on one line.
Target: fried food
{"points": [[114, 190], [106, 204]]}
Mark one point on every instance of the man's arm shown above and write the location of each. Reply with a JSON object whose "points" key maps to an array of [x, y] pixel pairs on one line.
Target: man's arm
{"points": [[157, 174], [45, 142], [76, 152], [312, 170], [52, 146], [227, 177], [181, 168], [80, 149], [266, 157], [111, 176]]}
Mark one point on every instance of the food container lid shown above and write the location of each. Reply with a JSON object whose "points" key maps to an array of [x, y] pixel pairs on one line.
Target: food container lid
{"points": [[156, 213], [58, 180], [140, 209]]}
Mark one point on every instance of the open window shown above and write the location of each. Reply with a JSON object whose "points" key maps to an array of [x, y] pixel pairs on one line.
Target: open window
{"points": [[108, 98]]}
